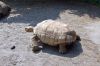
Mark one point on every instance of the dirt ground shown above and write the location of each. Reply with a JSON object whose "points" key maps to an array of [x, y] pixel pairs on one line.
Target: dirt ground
{"points": [[84, 18]]}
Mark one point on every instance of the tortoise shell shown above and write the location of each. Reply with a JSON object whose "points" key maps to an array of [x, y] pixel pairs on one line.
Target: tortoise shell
{"points": [[53, 33]]}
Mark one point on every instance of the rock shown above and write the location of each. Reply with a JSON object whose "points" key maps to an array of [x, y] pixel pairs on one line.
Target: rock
{"points": [[4, 9], [13, 47]]}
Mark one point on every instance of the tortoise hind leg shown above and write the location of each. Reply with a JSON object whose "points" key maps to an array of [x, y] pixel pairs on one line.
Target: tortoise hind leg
{"points": [[36, 44], [62, 48]]}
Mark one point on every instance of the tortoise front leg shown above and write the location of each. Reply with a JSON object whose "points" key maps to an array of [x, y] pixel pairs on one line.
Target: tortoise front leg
{"points": [[37, 46], [62, 48]]}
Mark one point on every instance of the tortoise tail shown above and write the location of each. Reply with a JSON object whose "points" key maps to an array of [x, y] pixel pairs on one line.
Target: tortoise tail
{"points": [[78, 38]]}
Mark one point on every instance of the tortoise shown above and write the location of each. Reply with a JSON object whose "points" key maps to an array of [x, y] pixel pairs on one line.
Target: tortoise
{"points": [[53, 33], [4, 9]]}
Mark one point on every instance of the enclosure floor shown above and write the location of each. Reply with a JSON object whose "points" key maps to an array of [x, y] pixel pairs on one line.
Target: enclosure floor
{"points": [[83, 18]]}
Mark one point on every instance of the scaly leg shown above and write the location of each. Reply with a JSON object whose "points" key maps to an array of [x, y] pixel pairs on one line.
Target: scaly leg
{"points": [[62, 48], [37, 46]]}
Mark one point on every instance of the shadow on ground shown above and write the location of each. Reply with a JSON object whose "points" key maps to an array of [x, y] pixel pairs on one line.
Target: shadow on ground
{"points": [[72, 52], [35, 12]]}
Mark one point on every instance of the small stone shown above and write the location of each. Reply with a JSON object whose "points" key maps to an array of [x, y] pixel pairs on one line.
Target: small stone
{"points": [[29, 29], [13, 47]]}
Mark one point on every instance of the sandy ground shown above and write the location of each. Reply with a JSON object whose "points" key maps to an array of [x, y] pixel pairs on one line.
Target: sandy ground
{"points": [[84, 18]]}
